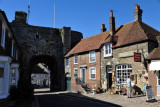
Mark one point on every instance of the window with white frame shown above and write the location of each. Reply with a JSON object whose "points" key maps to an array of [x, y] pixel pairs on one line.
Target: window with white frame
{"points": [[108, 49], [3, 37], [123, 72], [75, 59], [92, 56], [92, 72], [67, 62], [75, 73]]}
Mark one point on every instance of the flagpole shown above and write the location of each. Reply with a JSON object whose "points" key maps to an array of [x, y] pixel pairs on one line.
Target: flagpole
{"points": [[54, 15]]}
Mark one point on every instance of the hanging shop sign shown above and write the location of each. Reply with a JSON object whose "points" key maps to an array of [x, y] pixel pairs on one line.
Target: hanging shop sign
{"points": [[137, 57]]}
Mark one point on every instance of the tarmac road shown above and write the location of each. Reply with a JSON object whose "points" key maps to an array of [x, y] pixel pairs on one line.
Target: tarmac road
{"points": [[64, 100]]}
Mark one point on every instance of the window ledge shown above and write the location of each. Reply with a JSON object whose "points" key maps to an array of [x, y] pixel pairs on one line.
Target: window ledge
{"points": [[92, 62], [92, 79], [109, 55]]}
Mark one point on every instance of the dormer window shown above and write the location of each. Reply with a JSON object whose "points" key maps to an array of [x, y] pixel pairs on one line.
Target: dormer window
{"points": [[108, 49]]}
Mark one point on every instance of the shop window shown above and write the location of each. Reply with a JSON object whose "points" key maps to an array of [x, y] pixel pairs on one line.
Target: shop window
{"points": [[92, 73], [75, 73], [12, 77], [67, 62], [108, 49], [1, 81], [123, 73], [92, 56], [75, 59]]}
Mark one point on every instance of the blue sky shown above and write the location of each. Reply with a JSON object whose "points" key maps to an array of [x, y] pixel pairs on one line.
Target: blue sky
{"points": [[85, 16]]}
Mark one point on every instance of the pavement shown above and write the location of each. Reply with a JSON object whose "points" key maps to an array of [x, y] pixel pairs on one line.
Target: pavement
{"points": [[99, 100]]}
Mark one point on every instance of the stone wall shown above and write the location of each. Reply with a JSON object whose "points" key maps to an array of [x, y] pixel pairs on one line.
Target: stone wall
{"points": [[125, 55], [39, 41]]}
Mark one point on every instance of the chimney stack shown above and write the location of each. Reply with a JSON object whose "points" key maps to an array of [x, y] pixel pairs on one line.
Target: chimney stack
{"points": [[103, 29], [112, 23], [138, 13]]}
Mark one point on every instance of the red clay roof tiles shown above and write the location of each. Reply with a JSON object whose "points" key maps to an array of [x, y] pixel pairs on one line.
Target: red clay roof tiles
{"points": [[132, 32]]}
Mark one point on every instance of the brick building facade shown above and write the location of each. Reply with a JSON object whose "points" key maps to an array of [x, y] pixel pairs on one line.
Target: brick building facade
{"points": [[116, 48]]}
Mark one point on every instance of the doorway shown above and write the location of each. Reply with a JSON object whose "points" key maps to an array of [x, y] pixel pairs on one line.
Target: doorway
{"points": [[83, 75], [109, 76]]}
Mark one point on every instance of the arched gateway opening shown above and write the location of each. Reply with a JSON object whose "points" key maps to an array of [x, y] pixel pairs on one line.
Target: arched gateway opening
{"points": [[51, 63]]}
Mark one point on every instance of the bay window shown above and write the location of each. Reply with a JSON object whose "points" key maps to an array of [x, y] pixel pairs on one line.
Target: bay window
{"points": [[123, 73]]}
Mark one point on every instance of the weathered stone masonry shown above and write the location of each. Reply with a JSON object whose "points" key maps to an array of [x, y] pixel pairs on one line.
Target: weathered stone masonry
{"points": [[41, 43]]}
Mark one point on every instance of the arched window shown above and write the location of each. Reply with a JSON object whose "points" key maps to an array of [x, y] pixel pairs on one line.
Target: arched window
{"points": [[123, 72]]}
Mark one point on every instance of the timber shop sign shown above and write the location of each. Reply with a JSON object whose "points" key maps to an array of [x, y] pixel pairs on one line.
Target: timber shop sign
{"points": [[137, 57]]}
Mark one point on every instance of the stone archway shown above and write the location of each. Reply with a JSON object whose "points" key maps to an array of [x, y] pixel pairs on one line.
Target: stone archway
{"points": [[51, 62], [42, 44]]}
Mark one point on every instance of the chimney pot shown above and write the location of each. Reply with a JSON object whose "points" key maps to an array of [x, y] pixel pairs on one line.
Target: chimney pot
{"points": [[103, 29], [137, 6], [111, 13]]}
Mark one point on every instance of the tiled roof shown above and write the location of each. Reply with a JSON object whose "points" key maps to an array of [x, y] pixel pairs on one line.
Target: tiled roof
{"points": [[132, 32], [89, 43], [155, 54], [135, 31]]}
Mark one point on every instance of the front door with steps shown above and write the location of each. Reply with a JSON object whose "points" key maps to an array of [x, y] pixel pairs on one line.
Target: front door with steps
{"points": [[83, 75]]}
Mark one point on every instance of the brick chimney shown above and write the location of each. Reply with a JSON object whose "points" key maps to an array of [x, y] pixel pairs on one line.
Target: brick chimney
{"points": [[112, 23], [138, 13], [103, 29]]}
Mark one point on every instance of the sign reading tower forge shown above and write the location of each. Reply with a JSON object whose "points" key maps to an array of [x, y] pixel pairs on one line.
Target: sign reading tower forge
{"points": [[42, 45]]}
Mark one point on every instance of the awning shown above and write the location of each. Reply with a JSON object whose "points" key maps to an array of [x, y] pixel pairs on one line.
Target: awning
{"points": [[154, 65]]}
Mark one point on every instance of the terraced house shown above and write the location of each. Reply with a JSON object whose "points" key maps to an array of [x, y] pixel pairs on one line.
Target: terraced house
{"points": [[9, 58], [113, 56]]}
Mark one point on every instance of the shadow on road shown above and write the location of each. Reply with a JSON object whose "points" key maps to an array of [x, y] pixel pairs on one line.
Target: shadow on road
{"points": [[70, 100]]}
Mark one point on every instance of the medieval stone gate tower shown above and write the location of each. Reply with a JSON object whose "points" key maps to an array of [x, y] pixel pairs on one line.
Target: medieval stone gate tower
{"points": [[43, 45]]}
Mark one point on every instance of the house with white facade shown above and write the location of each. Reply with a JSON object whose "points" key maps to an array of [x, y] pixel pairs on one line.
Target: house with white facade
{"points": [[9, 57]]}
